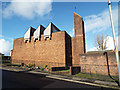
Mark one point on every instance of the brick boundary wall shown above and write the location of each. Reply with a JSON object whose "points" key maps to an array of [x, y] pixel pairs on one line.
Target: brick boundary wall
{"points": [[99, 63]]}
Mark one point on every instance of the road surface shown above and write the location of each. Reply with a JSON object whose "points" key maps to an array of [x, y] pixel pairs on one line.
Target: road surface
{"points": [[11, 79]]}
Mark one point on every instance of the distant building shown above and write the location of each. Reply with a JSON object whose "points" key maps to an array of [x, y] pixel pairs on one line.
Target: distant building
{"points": [[1, 54], [10, 52]]}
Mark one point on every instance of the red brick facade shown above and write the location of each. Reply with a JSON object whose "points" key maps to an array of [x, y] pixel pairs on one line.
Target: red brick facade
{"points": [[44, 52], [78, 42]]}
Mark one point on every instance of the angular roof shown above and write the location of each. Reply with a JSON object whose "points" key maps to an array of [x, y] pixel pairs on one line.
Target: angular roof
{"points": [[37, 34], [51, 28], [29, 33]]}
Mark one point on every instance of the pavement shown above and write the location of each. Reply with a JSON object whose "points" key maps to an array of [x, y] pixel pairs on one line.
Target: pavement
{"points": [[99, 83]]}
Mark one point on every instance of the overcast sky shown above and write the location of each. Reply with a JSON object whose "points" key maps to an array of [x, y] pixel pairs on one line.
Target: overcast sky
{"points": [[17, 17]]}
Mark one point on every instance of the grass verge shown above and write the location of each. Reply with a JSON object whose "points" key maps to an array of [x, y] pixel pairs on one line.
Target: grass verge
{"points": [[97, 77]]}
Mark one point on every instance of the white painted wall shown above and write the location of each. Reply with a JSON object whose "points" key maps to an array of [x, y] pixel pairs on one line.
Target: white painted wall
{"points": [[37, 33], [48, 31]]}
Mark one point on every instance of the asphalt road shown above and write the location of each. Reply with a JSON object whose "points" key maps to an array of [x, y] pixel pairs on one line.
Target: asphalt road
{"points": [[12, 79]]}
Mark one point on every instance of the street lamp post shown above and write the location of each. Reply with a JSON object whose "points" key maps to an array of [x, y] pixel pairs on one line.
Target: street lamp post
{"points": [[116, 47]]}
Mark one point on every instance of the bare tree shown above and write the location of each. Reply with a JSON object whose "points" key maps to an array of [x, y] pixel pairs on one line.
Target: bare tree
{"points": [[100, 42]]}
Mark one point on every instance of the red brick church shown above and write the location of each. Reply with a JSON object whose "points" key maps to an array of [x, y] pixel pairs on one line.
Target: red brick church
{"points": [[54, 48], [50, 46]]}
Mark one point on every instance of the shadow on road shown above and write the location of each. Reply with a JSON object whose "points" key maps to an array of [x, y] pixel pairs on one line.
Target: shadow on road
{"points": [[12, 79]]}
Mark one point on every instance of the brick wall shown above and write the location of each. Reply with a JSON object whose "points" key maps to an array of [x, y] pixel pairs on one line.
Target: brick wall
{"points": [[51, 52], [78, 42], [99, 63], [68, 48], [74, 70]]}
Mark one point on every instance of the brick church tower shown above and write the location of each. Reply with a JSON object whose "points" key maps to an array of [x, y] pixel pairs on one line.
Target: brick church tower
{"points": [[78, 42]]}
